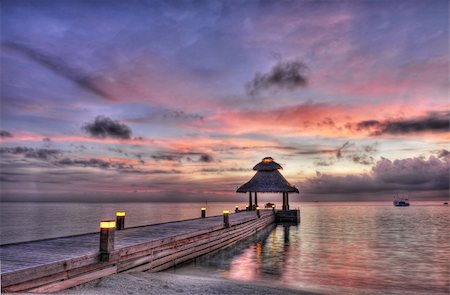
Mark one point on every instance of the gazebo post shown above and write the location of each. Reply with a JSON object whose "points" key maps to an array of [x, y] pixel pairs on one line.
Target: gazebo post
{"points": [[284, 202], [250, 205], [287, 201], [256, 199]]}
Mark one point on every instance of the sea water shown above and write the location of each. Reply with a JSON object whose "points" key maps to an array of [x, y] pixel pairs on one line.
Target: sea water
{"points": [[345, 248], [338, 248]]}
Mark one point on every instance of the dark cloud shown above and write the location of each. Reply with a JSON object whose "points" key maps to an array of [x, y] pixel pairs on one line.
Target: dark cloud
{"points": [[434, 122], [411, 174], [443, 154], [42, 154], [181, 156], [104, 127], [59, 67], [94, 163], [206, 158], [4, 134], [221, 170], [339, 150], [166, 116], [150, 172], [284, 75], [362, 159]]}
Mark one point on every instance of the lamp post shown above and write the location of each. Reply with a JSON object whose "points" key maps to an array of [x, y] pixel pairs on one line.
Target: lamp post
{"points": [[120, 220], [226, 219], [107, 232]]}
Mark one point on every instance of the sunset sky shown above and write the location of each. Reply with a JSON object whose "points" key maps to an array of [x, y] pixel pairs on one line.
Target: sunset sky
{"points": [[178, 100]]}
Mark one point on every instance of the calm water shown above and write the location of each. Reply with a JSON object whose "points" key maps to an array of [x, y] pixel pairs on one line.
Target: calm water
{"points": [[350, 248], [339, 248]]}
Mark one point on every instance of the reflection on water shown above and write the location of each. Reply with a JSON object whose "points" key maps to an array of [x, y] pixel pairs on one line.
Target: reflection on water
{"points": [[342, 248]]}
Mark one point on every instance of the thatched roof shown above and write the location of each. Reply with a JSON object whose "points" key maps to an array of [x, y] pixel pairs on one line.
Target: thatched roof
{"points": [[268, 179], [267, 164]]}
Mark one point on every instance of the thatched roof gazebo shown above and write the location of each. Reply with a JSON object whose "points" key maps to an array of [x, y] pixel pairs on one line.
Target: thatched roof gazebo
{"points": [[267, 180]]}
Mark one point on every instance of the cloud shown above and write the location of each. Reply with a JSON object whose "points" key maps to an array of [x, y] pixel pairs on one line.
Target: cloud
{"points": [[183, 156], [410, 174], [362, 159], [284, 75], [413, 171], [433, 122], [4, 134], [206, 158], [104, 127], [324, 163], [59, 67], [42, 154], [94, 163], [443, 154], [339, 150]]}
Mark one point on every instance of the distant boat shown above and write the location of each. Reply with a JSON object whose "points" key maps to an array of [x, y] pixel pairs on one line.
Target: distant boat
{"points": [[445, 203], [401, 202], [269, 205]]}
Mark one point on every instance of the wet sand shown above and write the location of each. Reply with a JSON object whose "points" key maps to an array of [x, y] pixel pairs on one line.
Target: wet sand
{"points": [[167, 283]]}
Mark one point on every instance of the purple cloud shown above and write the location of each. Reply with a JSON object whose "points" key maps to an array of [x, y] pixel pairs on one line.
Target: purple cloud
{"points": [[410, 174]]}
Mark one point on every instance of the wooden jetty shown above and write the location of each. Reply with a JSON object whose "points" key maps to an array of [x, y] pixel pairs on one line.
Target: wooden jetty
{"points": [[56, 264]]}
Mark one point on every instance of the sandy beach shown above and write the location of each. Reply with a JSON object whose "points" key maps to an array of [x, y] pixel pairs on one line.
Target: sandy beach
{"points": [[167, 283]]}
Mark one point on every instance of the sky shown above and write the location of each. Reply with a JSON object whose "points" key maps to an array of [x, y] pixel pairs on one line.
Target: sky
{"points": [[178, 100]]}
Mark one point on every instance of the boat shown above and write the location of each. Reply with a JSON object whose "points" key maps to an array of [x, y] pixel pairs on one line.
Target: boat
{"points": [[445, 203], [401, 202], [269, 205]]}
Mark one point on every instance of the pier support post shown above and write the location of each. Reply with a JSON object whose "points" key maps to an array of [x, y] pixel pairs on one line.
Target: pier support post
{"points": [[226, 218], [107, 232], [256, 199], [120, 220], [257, 212], [250, 205], [203, 212]]}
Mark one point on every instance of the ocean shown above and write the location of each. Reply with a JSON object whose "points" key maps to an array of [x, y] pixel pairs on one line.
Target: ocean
{"points": [[338, 248]]}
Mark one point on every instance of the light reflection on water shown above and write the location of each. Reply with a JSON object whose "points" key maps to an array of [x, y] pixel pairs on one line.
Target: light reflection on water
{"points": [[342, 248]]}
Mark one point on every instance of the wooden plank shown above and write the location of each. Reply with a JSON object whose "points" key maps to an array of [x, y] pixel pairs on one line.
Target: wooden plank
{"points": [[37, 282], [58, 286]]}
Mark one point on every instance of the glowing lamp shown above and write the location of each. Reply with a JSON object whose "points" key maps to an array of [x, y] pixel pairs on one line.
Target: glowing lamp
{"points": [[226, 211], [120, 213], [107, 224], [267, 160]]}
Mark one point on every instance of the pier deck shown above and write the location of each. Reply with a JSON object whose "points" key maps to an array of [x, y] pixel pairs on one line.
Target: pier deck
{"points": [[56, 264]]}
